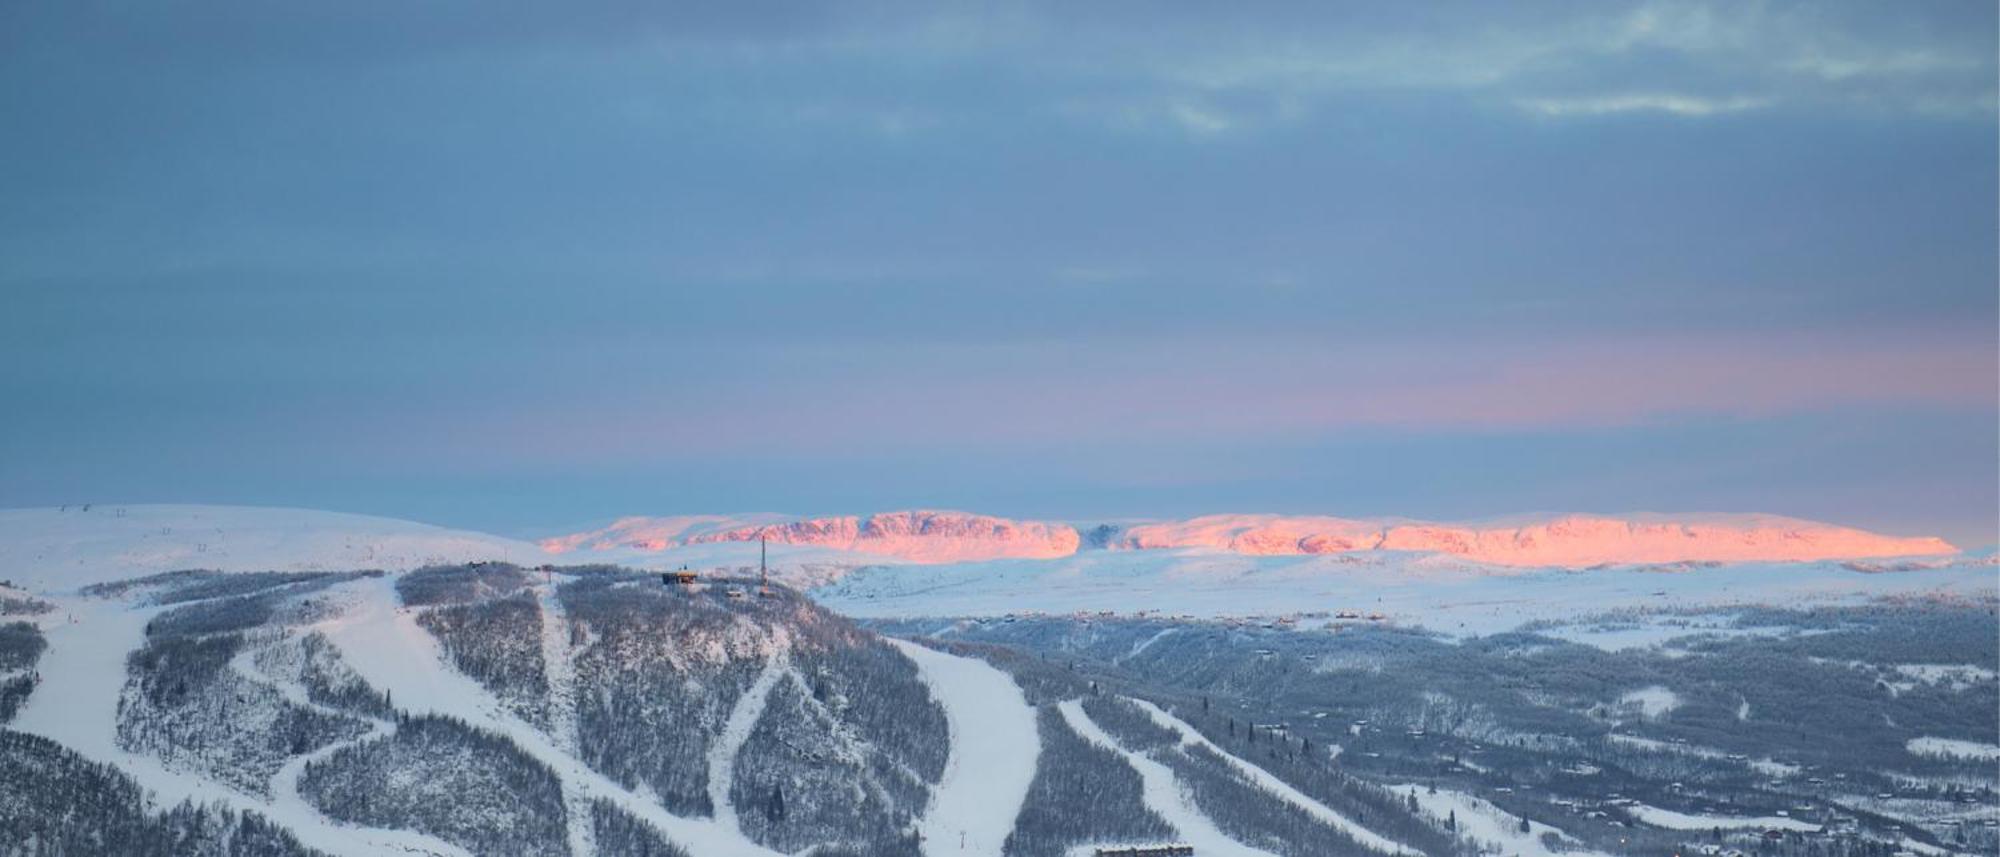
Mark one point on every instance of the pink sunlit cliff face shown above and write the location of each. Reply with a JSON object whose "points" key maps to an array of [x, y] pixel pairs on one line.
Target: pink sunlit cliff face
{"points": [[916, 536], [1571, 541]]}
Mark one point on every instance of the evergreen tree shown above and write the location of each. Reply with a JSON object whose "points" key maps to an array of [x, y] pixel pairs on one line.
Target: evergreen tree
{"points": [[774, 809]]}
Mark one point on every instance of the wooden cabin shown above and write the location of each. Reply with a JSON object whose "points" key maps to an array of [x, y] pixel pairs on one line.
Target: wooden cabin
{"points": [[679, 578], [1146, 851]]}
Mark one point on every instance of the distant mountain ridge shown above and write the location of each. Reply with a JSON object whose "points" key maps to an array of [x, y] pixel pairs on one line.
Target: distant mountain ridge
{"points": [[1573, 540], [43, 548], [916, 536], [1561, 540]]}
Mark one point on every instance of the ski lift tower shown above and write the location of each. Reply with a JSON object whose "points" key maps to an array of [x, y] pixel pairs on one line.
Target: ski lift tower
{"points": [[763, 569]]}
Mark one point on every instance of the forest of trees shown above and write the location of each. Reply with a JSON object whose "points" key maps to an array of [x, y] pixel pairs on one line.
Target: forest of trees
{"points": [[445, 778], [55, 803]]}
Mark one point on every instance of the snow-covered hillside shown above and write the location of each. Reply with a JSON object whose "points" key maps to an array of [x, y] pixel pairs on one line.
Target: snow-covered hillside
{"points": [[67, 547]]}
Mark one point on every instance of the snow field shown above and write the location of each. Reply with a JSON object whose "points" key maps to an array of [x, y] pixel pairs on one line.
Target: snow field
{"points": [[1652, 703], [1672, 820], [1952, 748]]}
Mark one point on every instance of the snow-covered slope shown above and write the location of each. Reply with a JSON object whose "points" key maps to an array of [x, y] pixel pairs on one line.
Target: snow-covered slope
{"points": [[63, 548], [1571, 541], [993, 753]]}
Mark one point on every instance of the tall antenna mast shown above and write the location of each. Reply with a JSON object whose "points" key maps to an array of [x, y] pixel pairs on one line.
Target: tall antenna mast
{"points": [[763, 569]]}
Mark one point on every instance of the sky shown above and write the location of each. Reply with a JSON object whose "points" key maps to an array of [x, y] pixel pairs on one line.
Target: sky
{"points": [[523, 267]]}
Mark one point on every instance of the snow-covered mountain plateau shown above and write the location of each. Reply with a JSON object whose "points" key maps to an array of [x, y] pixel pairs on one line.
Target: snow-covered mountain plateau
{"points": [[1572, 541]]}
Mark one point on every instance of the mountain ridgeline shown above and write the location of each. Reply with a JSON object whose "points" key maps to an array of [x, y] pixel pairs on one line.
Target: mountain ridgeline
{"points": [[1572, 541]]}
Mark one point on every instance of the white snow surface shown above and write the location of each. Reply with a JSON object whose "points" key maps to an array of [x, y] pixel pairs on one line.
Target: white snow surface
{"points": [[1672, 820], [1651, 702], [1952, 748], [51, 549], [1161, 791], [995, 747]]}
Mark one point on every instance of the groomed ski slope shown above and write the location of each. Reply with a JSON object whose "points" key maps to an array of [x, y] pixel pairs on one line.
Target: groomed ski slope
{"points": [[1161, 791], [561, 672], [384, 645], [83, 672], [1268, 782], [735, 732], [995, 746]]}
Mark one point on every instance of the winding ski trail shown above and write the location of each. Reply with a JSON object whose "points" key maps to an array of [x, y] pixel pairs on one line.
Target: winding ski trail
{"points": [[560, 672], [742, 719]]}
